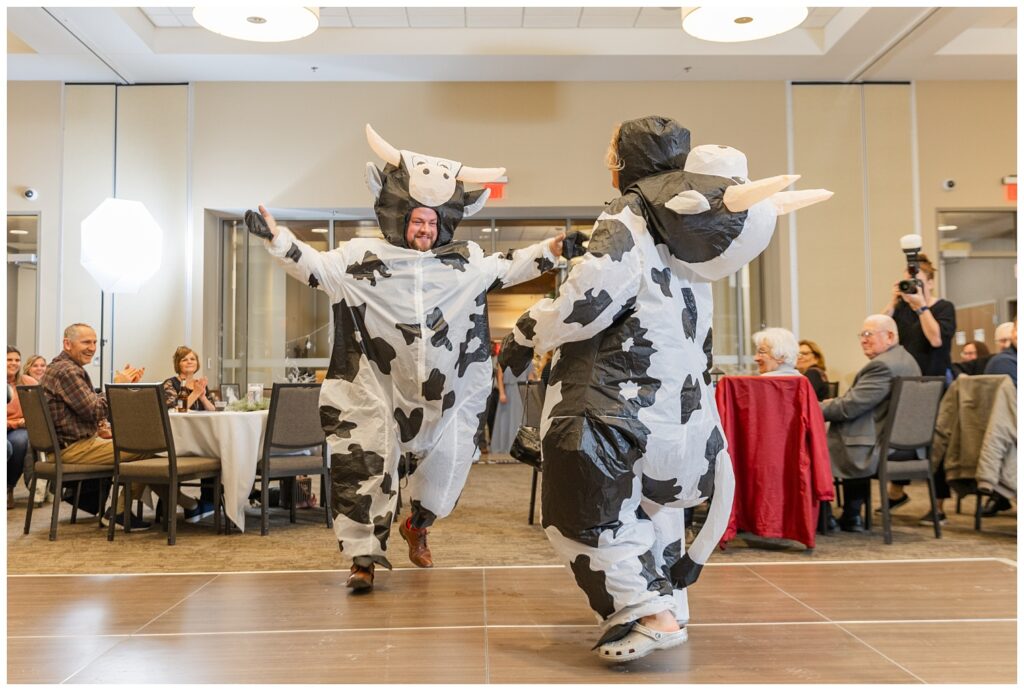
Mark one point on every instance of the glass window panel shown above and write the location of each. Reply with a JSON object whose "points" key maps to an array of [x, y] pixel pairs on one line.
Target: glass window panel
{"points": [[22, 287]]}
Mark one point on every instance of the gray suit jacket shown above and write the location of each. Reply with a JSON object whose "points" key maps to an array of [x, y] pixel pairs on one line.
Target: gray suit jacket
{"points": [[858, 416]]}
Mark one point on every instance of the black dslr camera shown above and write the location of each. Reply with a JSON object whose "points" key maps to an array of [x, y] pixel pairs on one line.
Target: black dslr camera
{"points": [[911, 245]]}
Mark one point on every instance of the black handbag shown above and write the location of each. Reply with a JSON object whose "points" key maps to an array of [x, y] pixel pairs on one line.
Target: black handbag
{"points": [[526, 445]]}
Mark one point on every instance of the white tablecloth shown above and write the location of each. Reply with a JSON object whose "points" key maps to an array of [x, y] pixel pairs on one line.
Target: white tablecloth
{"points": [[234, 438]]}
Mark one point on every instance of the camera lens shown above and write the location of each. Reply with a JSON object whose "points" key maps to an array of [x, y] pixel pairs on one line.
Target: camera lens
{"points": [[908, 286]]}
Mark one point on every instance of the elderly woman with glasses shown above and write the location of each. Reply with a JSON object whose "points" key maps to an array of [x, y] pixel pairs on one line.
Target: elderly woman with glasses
{"points": [[776, 353]]}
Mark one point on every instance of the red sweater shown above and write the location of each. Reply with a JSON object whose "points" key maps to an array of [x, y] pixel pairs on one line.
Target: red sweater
{"points": [[776, 437]]}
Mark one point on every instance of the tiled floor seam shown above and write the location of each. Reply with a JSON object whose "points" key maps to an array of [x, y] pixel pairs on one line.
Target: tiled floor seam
{"points": [[808, 562], [487, 643], [851, 622]]}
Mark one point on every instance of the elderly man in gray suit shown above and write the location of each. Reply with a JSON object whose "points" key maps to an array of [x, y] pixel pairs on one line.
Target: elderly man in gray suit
{"points": [[857, 416]]}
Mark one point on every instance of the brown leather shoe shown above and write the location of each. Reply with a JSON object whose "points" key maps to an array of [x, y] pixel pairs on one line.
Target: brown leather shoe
{"points": [[361, 578], [419, 552]]}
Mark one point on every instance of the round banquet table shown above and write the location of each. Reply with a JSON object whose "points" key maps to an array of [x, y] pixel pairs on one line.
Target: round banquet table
{"points": [[236, 438]]}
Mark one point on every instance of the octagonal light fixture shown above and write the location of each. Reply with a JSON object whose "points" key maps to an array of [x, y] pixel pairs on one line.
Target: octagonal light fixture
{"points": [[122, 245], [727, 24], [268, 23]]}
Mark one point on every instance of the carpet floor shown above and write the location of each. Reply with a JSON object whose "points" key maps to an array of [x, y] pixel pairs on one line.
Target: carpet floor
{"points": [[488, 527]]}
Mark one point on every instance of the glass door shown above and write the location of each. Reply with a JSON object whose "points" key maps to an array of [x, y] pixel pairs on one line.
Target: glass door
{"points": [[23, 282]]}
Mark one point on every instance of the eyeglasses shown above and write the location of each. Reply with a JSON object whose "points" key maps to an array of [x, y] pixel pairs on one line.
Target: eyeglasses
{"points": [[868, 334]]}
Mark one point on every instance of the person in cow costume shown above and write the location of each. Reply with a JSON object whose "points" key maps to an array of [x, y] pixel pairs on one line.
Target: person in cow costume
{"points": [[630, 433], [411, 369]]}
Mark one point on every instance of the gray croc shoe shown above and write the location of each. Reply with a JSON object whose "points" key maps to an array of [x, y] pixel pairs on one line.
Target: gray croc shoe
{"points": [[639, 642]]}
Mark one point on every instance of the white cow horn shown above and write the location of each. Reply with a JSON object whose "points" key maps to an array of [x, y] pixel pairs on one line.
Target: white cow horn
{"points": [[381, 147], [742, 197], [791, 201], [470, 174]]}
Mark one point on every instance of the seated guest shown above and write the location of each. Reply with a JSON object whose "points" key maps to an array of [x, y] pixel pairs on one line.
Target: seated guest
{"points": [[1005, 361], [858, 415], [17, 435], [77, 409], [1004, 336], [186, 365], [811, 363], [776, 353], [974, 356], [33, 370]]}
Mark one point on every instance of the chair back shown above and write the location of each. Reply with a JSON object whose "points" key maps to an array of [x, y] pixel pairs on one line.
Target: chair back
{"points": [[138, 419], [531, 393], [294, 418], [833, 389], [913, 408], [42, 436]]}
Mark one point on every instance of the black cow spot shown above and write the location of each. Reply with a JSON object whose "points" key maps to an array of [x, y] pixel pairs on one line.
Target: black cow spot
{"points": [[385, 486], [435, 321], [479, 333], [662, 492], [421, 517], [454, 255], [332, 422], [368, 268], [513, 356], [630, 200], [706, 484], [408, 425], [708, 355], [348, 472], [448, 401], [685, 572], [434, 385], [664, 280], [410, 332], [294, 253], [611, 237], [352, 341], [624, 368], [407, 464], [527, 326], [481, 422], [313, 281], [689, 399], [494, 285], [594, 586], [656, 581], [689, 314], [382, 529], [589, 307], [670, 556], [544, 264]]}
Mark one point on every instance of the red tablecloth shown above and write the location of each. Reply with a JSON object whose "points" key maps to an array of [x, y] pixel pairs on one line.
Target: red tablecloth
{"points": [[776, 437]]}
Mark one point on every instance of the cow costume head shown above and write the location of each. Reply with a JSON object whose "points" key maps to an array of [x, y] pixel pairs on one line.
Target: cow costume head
{"points": [[701, 204], [411, 180]]}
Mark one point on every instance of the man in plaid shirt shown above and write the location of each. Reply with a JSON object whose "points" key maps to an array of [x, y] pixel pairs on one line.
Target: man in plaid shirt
{"points": [[79, 413]]}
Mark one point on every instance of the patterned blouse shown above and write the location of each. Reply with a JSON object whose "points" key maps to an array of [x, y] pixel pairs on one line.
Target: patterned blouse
{"points": [[171, 388]]}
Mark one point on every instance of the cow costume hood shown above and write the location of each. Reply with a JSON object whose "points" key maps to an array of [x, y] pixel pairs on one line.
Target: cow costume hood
{"points": [[699, 203], [410, 180]]}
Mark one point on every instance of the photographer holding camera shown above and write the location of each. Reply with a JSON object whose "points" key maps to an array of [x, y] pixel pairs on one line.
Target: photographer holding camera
{"points": [[926, 326]]}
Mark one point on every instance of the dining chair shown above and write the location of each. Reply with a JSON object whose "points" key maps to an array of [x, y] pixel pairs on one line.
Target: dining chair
{"points": [[139, 423], [293, 425], [909, 425], [531, 393], [42, 437]]}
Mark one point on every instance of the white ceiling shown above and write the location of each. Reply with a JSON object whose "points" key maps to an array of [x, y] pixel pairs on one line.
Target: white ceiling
{"points": [[162, 44]]}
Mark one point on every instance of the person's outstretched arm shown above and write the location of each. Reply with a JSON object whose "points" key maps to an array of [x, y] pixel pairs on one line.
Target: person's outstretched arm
{"points": [[323, 270]]}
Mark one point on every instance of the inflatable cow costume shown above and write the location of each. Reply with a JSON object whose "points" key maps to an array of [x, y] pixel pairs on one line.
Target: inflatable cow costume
{"points": [[631, 435], [411, 371]]}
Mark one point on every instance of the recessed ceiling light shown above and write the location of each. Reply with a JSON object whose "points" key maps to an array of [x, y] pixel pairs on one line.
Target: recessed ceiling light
{"points": [[322, 231], [19, 232], [269, 24], [734, 24], [947, 227]]}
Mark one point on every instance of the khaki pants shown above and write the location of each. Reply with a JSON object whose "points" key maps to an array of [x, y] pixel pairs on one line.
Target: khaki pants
{"points": [[99, 451]]}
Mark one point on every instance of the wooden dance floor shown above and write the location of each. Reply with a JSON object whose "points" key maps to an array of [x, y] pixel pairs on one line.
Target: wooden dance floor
{"points": [[935, 621]]}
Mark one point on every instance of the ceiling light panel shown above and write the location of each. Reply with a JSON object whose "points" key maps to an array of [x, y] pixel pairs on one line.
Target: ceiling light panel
{"points": [[436, 17], [731, 24], [378, 17], [494, 17], [551, 17], [609, 17], [658, 18]]}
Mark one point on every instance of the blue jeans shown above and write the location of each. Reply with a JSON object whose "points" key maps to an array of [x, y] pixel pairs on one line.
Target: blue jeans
{"points": [[18, 449]]}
